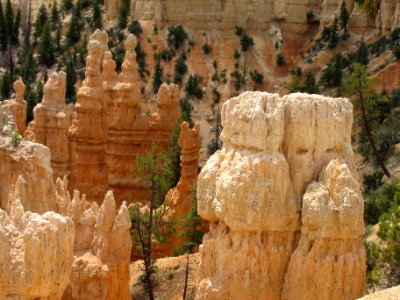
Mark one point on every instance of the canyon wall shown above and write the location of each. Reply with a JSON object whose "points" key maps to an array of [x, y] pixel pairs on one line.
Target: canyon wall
{"points": [[252, 14], [285, 212]]}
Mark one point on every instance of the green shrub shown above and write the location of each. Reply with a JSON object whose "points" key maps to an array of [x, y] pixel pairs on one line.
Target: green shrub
{"points": [[180, 68], [206, 48], [165, 54], [257, 77], [246, 41], [280, 60], [15, 139], [135, 28], [238, 79], [176, 36], [192, 87], [310, 15]]}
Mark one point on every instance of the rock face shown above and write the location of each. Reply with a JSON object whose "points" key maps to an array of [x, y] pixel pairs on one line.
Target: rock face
{"points": [[282, 202], [226, 14], [36, 253], [52, 118], [17, 106], [32, 162], [102, 246]]}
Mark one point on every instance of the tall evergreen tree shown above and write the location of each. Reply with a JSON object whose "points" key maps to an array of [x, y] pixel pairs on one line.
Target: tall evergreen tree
{"points": [[344, 16], [123, 14], [362, 54], [74, 31], [71, 77], [39, 91], [157, 76], [30, 98], [97, 21], [45, 49], [55, 15], [41, 20], [3, 30], [28, 68], [15, 32], [5, 86], [57, 38], [67, 5], [9, 18]]}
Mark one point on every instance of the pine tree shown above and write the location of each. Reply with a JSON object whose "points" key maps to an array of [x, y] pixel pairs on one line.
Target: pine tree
{"points": [[57, 38], [74, 31], [28, 69], [5, 86], [334, 37], [15, 33], [310, 84], [30, 98], [45, 49], [9, 18], [360, 87], [55, 15], [344, 16], [41, 20], [71, 78], [123, 14], [362, 54], [67, 5], [97, 21], [39, 91], [3, 30], [157, 76]]}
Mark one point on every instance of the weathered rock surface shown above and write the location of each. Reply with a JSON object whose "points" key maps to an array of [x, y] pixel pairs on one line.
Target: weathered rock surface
{"points": [[387, 294], [102, 246], [32, 162], [282, 202], [17, 106], [52, 118], [36, 253]]}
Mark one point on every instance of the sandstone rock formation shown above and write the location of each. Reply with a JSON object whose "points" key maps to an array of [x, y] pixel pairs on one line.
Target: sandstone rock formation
{"points": [[225, 15], [17, 106], [282, 202], [102, 246], [52, 118], [32, 162], [386, 294], [36, 253]]}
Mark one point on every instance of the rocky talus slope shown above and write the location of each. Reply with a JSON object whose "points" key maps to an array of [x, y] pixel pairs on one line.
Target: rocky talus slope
{"points": [[285, 210]]}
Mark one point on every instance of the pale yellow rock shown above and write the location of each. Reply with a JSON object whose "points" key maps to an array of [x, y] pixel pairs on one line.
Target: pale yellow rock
{"points": [[387, 294], [282, 158], [32, 162], [36, 254]]}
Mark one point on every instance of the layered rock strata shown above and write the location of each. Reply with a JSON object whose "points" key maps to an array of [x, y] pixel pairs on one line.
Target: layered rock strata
{"points": [[36, 253], [52, 118], [282, 202]]}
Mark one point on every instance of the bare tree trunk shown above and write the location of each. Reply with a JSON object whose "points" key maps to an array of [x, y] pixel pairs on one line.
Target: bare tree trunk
{"points": [[185, 286]]}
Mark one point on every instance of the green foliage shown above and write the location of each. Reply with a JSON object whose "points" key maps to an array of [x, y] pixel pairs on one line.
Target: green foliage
{"points": [[135, 28], [216, 95], [41, 19], [180, 68], [333, 73], [67, 5], [238, 79], [46, 49], [192, 87], [280, 60], [157, 76], [70, 94], [30, 98], [5, 86], [15, 29], [310, 14], [9, 18], [344, 16], [362, 54], [97, 19], [372, 181], [239, 31], [334, 36], [165, 54], [73, 34], [55, 15], [118, 54], [3, 30], [236, 54], [369, 7], [256, 76], [28, 67], [192, 228], [246, 41], [310, 84], [296, 84], [141, 60], [206, 48], [39, 91], [176, 36], [15, 139], [123, 14]]}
